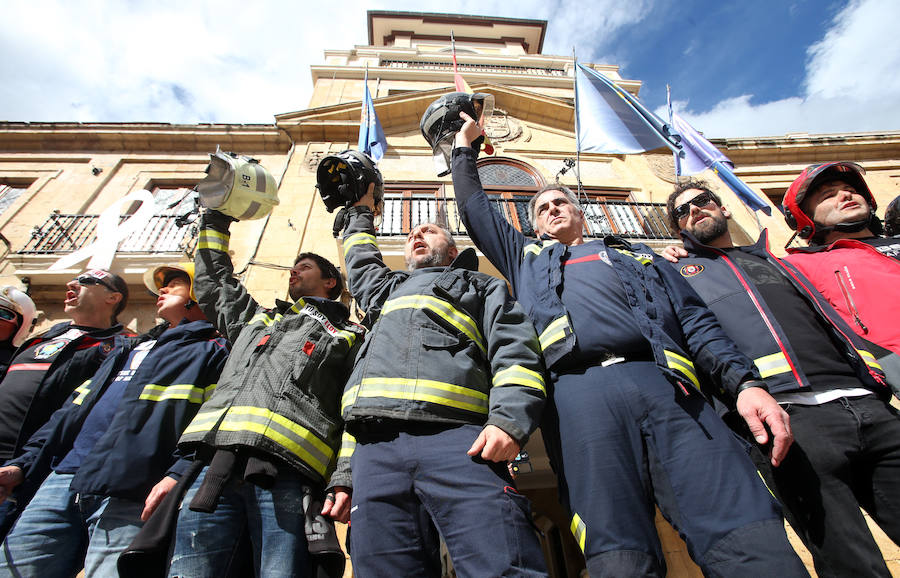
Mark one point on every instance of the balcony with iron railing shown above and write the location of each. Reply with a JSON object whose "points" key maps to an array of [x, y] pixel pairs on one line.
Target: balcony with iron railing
{"points": [[63, 233], [164, 238], [645, 222]]}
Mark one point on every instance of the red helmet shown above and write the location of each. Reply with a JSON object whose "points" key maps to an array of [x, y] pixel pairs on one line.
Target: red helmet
{"points": [[814, 175]]}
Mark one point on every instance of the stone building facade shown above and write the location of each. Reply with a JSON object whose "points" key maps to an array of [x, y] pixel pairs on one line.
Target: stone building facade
{"points": [[56, 178]]}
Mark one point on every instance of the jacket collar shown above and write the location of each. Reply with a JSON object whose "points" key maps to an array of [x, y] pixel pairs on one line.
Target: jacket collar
{"points": [[693, 245], [334, 310], [832, 245]]}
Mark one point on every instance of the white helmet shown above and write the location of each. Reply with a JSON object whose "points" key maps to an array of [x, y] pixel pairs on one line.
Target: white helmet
{"points": [[238, 186], [18, 302]]}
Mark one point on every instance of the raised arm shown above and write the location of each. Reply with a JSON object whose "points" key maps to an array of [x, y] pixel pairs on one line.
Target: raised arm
{"points": [[224, 300], [497, 239]]}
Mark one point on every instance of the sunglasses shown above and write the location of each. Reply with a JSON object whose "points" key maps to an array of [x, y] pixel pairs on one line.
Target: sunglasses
{"points": [[7, 315], [700, 201], [88, 281]]}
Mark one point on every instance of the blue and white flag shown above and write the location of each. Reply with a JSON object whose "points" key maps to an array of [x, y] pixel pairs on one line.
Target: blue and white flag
{"points": [[371, 135], [700, 154], [610, 120]]}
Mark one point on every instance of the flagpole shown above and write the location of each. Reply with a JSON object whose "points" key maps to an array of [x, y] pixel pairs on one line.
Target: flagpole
{"points": [[676, 165], [577, 146]]}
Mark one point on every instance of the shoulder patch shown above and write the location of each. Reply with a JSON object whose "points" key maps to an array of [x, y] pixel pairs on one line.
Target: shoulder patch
{"points": [[49, 349], [691, 270]]}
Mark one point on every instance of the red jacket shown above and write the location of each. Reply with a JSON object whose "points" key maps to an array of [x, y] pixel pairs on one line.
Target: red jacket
{"points": [[861, 283]]}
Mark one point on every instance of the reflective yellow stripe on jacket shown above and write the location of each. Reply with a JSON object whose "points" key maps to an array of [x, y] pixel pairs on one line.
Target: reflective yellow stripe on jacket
{"points": [[518, 375], [82, 391], [359, 239], [290, 435], [682, 365], [769, 365], [348, 446], [212, 239], [265, 318], [869, 359], [639, 257], [446, 311], [535, 248], [554, 332], [192, 393], [455, 396], [579, 530]]}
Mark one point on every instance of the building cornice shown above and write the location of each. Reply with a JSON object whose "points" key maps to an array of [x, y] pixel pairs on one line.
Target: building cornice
{"points": [[439, 26], [809, 148], [401, 113], [140, 137]]}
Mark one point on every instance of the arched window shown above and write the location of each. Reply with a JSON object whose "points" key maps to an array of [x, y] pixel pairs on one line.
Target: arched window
{"points": [[510, 184]]}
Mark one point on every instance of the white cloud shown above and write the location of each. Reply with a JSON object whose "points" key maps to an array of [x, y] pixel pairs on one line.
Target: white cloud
{"points": [[851, 83], [217, 60]]}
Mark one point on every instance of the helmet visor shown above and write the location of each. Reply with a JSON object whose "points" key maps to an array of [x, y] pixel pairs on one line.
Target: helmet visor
{"points": [[214, 189], [442, 151], [484, 107]]}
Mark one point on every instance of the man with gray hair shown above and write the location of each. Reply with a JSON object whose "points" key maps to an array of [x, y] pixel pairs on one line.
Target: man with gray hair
{"points": [[446, 390], [626, 340]]}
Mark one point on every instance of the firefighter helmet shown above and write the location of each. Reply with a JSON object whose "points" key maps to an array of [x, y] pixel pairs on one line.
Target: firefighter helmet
{"points": [[441, 122], [344, 178], [158, 277], [238, 186], [21, 304], [809, 179]]}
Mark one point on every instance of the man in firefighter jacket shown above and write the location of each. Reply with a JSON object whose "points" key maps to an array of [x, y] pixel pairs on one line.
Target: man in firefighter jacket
{"points": [[446, 389], [846, 437], [620, 332], [47, 367], [105, 459], [272, 429], [854, 268]]}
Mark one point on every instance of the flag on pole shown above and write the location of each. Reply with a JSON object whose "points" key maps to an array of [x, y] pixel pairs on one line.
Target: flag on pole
{"points": [[700, 154], [463, 86], [610, 120], [371, 135]]}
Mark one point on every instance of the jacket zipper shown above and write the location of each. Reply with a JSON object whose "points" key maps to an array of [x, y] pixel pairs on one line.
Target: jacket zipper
{"points": [[762, 314], [849, 300]]}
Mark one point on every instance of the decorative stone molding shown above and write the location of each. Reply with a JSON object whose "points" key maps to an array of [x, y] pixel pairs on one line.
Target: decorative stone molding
{"points": [[662, 165], [502, 127]]}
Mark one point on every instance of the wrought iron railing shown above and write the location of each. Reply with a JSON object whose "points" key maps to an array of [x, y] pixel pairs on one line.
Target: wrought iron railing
{"points": [[463, 67], [63, 233], [626, 219]]}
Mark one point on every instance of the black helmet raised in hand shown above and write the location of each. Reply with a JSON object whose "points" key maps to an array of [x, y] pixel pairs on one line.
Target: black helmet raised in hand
{"points": [[344, 178], [441, 122]]}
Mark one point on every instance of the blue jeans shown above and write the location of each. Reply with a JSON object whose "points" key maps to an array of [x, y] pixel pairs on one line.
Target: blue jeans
{"points": [[205, 543], [60, 531]]}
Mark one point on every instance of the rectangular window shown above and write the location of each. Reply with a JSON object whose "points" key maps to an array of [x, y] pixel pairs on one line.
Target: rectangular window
{"points": [[9, 193]]}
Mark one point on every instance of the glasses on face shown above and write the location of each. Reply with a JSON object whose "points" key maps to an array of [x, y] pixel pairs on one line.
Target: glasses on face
{"points": [[700, 201], [88, 281], [7, 315]]}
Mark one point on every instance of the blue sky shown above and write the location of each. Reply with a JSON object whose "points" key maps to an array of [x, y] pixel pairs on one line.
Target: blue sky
{"points": [[761, 68], [709, 51]]}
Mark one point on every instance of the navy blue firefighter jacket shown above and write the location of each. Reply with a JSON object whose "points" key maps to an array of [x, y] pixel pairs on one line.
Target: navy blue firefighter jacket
{"points": [[179, 373]]}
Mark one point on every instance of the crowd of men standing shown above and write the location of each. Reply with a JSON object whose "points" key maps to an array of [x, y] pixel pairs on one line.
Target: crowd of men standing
{"points": [[226, 440]]}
